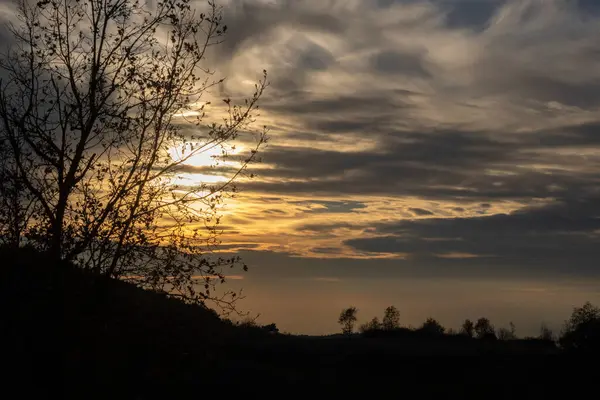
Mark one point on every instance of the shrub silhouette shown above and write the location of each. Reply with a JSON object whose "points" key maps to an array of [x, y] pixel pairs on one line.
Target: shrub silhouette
{"points": [[371, 326], [432, 327], [271, 328]]}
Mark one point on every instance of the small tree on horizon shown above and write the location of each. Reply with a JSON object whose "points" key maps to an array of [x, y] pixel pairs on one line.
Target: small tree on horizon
{"points": [[484, 328], [372, 325], [468, 328], [347, 319], [391, 319], [509, 333]]}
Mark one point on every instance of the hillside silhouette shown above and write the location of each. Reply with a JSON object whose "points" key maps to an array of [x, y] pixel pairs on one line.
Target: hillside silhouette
{"points": [[71, 332]]}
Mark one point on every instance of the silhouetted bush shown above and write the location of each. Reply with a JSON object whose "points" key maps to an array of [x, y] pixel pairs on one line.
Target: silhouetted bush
{"points": [[271, 328], [372, 325], [432, 327]]}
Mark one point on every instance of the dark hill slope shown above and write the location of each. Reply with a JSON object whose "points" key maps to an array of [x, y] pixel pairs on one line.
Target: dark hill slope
{"points": [[79, 335], [101, 332]]}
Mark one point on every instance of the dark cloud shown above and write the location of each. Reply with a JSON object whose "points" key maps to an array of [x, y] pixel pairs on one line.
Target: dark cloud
{"points": [[249, 22], [325, 227], [391, 62], [326, 250], [544, 88], [225, 247], [330, 206], [474, 14], [301, 104], [444, 166], [589, 6], [558, 238], [584, 134], [315, 58], [420, 211]]}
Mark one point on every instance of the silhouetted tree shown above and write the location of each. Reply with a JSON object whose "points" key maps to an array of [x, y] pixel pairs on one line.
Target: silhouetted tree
{"points": [[468, 328], [582, 329], [391, 319], [372, 325], [101, 106], [581, 315], [507, 334], [347, 319], [16, 204], [484, 329], [432, 326]]}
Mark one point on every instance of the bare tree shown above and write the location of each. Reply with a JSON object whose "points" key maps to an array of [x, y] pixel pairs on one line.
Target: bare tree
{"points": [[102, 103]]}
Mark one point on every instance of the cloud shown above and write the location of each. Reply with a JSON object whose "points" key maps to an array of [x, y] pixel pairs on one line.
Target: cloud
{"points": [[329, 206], [420, 212], [456, 255], [461, 133], [559, 237]]}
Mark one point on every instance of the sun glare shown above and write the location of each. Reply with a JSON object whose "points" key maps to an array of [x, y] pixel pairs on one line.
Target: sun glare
{"points": [[210, 162]]}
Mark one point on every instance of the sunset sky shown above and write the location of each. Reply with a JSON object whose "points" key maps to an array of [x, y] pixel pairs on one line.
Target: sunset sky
{"points": [[442, 156], [439, 155]]}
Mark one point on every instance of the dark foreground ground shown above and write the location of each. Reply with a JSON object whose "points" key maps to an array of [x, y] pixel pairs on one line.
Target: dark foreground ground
{"points": [[77, 336]]}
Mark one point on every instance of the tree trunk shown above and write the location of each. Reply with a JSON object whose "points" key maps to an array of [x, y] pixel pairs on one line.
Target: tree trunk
{"points": [[56, 233]]}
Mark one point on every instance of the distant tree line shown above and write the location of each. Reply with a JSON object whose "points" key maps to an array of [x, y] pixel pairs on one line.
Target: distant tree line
{"points": [[581, 332]]}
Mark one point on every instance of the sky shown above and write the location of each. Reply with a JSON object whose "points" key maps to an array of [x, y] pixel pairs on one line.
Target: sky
{"points": [[442, 156]]}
